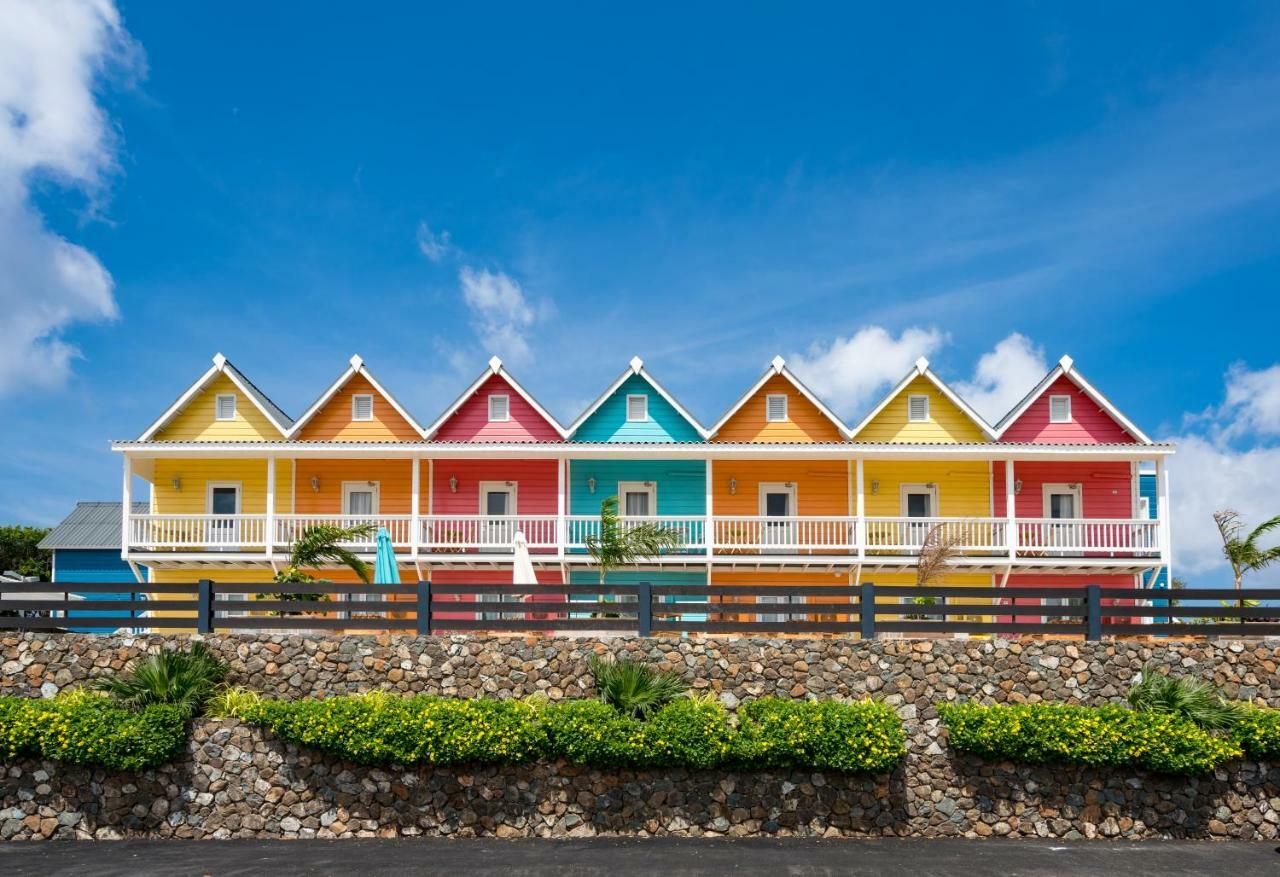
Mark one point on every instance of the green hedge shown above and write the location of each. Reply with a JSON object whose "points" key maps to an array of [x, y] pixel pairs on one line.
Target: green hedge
{"points": [[1259, 734], [83, 728], [690, 733], [1103, 736]]}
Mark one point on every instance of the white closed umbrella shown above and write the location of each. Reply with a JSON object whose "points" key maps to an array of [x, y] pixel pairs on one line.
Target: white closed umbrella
{"points": [[522, 567]]}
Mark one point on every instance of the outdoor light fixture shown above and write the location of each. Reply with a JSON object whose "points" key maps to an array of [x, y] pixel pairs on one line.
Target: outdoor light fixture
{"points": [[875, 486], [177, 483], [315, 483], [591, 484], [733, 485], [1017, 486], [453, 483]]}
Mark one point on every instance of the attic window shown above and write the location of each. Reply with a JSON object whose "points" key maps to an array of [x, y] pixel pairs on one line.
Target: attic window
{"points": [[1059, 409], [362, 406], [775, 408], [637, 408], [226, 407], [917, 408], [499, 408]]}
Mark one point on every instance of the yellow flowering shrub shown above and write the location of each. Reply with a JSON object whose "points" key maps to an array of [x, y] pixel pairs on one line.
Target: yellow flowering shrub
{"points": [[862, 737], [1259, 734], [84, 728]]}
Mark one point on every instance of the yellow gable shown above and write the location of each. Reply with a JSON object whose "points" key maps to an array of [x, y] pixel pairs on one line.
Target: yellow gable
{"points": [[946, 423], [804, 423], [197, 422]]}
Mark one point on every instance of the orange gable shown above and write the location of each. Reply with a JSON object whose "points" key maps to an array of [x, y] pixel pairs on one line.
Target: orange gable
{"points": [[804, 423], [334, 422]]}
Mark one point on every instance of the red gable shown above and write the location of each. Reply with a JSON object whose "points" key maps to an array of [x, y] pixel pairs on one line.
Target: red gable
{"points": [[1090, 423], [470, 422]]}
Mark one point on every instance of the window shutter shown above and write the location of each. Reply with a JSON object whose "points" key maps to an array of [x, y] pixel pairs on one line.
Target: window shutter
{"points": [[362, 407], [499, 408], [637, 408], [226, 407], [776, 408], [1059, 409], [918, 408]]}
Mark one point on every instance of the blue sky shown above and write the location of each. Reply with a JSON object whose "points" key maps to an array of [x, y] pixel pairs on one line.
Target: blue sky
{"points": [[292, 183]]}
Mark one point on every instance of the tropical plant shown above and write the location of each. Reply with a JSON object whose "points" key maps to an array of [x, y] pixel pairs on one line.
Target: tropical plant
{"points": [[633, 688], [939, 549], [182, 679], [323, 543], [624, 542], [1242, 551], [1186, 698]]}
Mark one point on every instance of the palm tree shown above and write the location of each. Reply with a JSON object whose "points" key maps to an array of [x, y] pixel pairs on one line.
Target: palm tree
{"points": [[620, 544], [1241, 551], [323, 543]]}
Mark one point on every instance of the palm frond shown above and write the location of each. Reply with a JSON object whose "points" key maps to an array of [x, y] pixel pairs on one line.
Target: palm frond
{"points": [[622, 542], [325, 543], [634, 688], [1196, 701]]}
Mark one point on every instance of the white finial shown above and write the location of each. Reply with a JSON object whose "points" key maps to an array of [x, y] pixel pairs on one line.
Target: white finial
{"points": [[636, 364], [1066, 362], [219, 360], [494, 363], [922, 365], [778, 363], [356, 362]]}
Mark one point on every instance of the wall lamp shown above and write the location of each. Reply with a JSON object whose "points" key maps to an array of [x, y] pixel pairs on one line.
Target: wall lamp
{"points": [[176, 483], [315, 483], [1017, 486], [875, 486], [453, 483], [733, 485], [591, 484]]}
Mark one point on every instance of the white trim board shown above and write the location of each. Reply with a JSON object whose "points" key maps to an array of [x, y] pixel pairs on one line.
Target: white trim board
{"points": [[922, 370], [221, 366]]}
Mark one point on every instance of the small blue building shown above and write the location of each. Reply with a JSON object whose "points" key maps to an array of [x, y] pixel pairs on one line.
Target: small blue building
{"points": [[86, 548]]}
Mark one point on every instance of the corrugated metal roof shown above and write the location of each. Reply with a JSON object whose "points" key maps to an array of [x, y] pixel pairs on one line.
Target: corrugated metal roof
{"points": [[994, 447], [90, 525]]}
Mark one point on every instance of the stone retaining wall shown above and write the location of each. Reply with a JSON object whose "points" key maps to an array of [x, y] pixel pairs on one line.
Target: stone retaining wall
{"points": [[239, 781]]}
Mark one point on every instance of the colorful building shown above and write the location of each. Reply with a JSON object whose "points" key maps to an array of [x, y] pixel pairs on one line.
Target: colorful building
{"points": [[780, 489]]}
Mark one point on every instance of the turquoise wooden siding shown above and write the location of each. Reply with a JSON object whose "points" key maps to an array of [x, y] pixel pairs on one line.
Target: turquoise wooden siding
{"points": [[633, 577], [1147, 489], [681, 484], [609, 422]]}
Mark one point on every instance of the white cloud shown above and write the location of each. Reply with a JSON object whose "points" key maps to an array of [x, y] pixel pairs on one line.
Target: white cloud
{"points": [[53, 53], [434, 246], [500, 312], [1003, 376], [1252, 402], [849, 372]]}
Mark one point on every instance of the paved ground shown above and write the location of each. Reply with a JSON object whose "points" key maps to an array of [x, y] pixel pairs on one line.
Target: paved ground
{"points": [[670, 857]]}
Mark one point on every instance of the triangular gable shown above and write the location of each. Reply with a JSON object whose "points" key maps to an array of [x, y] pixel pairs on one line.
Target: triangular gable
{"points": [[467, 419], [1094, 419], [191, 416], [605, 419], [951, 419], [330, 417], [808, 419]]}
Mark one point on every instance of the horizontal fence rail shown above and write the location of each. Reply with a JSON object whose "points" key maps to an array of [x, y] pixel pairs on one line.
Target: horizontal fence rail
{"points": [[867, 610]]}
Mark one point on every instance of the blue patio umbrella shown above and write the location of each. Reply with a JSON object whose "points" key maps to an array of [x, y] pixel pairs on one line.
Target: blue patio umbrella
{"points": [[385, 571]]}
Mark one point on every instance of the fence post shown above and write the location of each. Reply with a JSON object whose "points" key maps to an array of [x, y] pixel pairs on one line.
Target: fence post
{"points": [[1093, 613], [424, 608], [867, 610], [204, 607], [644, 609]]}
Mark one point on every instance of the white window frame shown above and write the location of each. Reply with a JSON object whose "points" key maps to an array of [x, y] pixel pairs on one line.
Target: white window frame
{"points": [[771, 600], [1078, 602], [913, 396], [905, 490], [1061, 398], [232, 543], [644, 398], [506, 417], [783, 533], [649, 487], [355, 407], [768, 402], [217, 407], [1144, 508], [349, 487], [498, 533], [1048, 490]]}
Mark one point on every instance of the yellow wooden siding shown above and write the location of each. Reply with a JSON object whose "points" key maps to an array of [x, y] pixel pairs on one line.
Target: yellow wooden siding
{"points": [[822, 486], [197, 422], [964, 487], [804, 423], [196, 473], [333, 421], [946, 423]]}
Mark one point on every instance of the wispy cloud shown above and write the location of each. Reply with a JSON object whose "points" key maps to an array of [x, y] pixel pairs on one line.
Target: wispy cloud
{"points": [[1003, 376], [847, 372], [53, 53], [435, 246], [501, 314]]}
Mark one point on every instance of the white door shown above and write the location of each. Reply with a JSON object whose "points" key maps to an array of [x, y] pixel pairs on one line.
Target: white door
{"points": [[777, 505], [918, 501], [360, 506], [223, 502], [498, 506], [1062, 502]]}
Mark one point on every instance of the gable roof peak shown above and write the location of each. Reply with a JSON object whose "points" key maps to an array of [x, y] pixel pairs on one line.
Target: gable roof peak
{"points": [[495, 364], [778, 364], [1066, 362], [921, 370], [221, 366], [637, 364], [219, 361], [355, 366], [922, 365], [778, 368], [1066, 368], [357, 361], [494, 368]]}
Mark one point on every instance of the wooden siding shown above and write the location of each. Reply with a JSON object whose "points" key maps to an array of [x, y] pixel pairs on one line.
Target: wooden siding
{"points": [[681, 484], [333, 421], [822, 486], [196, 473], [608, 423], [1090, 424], [805, 423], [535, 480], [470, 423], [946, 423], [1106, 489], [394, 478], [197, 423], [964, 487]]}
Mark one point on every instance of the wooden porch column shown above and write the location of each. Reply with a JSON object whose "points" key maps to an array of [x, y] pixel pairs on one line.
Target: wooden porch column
{"points": [[860, 496], [269, 537], [1165, 529], [562, 530], [1011, 536], [708, 529], [126, 507], [415, 497]]}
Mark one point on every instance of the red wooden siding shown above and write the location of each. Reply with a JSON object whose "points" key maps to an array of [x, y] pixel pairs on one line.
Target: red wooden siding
{"points": [[1105, 488], [1089, 423], [535, 485], [470, 423]]}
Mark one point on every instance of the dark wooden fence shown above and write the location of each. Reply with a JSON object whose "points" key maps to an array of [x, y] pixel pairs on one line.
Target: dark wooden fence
{"points": [[867, 610]]}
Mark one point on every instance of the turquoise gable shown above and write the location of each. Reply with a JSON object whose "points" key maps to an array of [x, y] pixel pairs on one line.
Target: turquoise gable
{"points": [[608, 423]]}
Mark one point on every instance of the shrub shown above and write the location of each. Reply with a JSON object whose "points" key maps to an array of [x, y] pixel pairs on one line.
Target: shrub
{"points": [[1105, 736], [183, 679], [1259, 733], [232, 702], [1188, 698], [863, 737], [687, 733], [633, 687], [592, 733], [88, 729]]}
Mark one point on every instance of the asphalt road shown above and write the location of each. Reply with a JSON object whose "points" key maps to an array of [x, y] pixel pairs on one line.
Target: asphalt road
{"points": [[618, 857]]}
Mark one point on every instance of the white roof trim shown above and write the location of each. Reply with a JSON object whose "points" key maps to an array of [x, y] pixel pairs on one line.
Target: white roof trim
{"points": [[1066, 367], [778, 366], [922, 370], [221, 366], [636, 367], [356, 367], [495, 369]]}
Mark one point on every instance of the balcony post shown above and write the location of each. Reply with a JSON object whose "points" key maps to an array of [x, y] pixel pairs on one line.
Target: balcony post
{"points": [[562, 530], [1164, 530], [860, 524], [708, 526], [269, 537], [415, 499], [1010, 501], [126, 506]]}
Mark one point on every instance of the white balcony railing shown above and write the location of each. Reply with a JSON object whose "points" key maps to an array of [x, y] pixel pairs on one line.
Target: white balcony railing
{"points": [[791, 534], [1096, 536], [487, 533], [908, 535], [399, 527], [692, 530], [198, 532]]}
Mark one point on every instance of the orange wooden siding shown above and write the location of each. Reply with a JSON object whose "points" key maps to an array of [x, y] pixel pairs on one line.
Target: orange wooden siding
{"points": [[804, 423], [822, 486], [333, 422]]}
